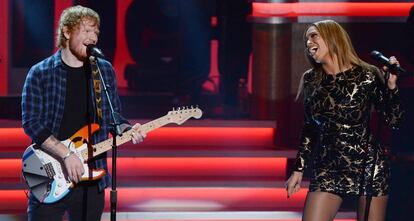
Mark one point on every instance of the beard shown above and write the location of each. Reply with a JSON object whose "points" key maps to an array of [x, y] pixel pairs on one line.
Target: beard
{"points": [[79, 51]]}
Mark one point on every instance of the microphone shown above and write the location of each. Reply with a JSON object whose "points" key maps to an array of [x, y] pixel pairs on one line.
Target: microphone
{"points": [[385, 61], [92, 50]]}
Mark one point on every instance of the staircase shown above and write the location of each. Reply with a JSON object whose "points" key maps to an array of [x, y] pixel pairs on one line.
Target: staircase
{"points": [[202, 170]]}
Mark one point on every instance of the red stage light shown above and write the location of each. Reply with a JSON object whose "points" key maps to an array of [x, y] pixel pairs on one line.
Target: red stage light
{"points": [[330, 9]]}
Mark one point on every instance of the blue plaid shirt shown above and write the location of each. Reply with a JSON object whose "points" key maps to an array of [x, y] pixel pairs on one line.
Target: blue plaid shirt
{"points": [[43, 103]]}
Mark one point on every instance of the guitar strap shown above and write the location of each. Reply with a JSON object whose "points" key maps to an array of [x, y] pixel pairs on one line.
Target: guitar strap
{"points": [[97, 86]]}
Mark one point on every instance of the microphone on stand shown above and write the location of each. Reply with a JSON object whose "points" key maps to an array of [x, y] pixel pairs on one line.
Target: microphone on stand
{"points": [[92, 50]]}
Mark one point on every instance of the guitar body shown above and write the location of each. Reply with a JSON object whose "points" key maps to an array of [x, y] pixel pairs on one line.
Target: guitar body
{"points": [[46, 175]]}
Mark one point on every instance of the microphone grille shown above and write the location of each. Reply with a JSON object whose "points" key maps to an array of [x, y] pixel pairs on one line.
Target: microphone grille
{"points": [[375, 53]]}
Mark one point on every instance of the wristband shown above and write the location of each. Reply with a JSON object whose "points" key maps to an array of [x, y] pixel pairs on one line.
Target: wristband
{"points": [[68, 154]]}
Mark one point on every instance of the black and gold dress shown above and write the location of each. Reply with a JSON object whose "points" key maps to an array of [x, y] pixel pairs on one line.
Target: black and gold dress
{"points": [[336, 133]]}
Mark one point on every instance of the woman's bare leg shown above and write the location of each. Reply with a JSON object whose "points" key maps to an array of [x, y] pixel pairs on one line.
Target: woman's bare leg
{"points": [[321, 206], [377, 209]]}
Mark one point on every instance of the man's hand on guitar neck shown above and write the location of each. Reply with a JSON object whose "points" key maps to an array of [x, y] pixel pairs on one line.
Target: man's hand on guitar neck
{"points": [[74, 166], [137, 135]]}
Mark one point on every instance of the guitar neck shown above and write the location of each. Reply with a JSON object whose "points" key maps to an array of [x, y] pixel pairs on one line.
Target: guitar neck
{"points": [[106, 145]]}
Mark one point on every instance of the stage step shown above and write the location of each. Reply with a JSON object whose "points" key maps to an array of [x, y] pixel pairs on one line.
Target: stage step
{"points": [[208, 133], [202, 216], [185, 199], [140, 150], [170, 169]]}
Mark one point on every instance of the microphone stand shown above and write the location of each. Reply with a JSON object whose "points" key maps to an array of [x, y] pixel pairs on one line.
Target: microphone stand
{"points": [[115, 131]]}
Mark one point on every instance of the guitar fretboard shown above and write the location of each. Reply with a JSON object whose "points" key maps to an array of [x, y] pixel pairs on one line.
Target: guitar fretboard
{"points": [[106, 145]]}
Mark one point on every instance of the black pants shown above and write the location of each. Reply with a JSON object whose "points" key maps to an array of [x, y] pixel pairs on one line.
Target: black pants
{"points": [[195, 33], [83, 203]]}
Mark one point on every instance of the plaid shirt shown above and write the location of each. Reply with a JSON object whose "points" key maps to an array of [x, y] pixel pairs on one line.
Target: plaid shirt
{"points": [[43, 103]]}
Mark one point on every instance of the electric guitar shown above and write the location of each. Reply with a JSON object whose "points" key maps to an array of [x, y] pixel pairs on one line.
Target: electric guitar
{"points": [[46, 176]]}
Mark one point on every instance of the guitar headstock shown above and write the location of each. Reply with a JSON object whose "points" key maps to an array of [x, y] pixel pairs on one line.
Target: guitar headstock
{"points": [[182, 114]]}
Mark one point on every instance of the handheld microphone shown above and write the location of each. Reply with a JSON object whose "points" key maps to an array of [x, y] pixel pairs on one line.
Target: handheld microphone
{"points": [[385, 61], [92, 50]]}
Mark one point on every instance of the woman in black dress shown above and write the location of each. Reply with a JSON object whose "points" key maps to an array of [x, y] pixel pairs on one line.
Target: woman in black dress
{"points": [[339, 92]]}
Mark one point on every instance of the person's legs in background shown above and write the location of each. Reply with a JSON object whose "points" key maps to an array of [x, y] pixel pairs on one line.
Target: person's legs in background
{"points": [[234, 35], [194, 47]]}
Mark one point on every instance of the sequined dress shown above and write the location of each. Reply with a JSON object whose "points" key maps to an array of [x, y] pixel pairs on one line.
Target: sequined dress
{"points": [[336, 131]]}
